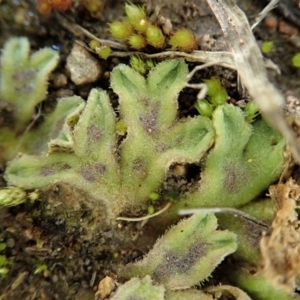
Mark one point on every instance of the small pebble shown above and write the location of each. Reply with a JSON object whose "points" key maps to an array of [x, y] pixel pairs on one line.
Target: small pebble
{"points": [[10, 243], [105, 287], [60, 80], [83, 67], [64, 93]]}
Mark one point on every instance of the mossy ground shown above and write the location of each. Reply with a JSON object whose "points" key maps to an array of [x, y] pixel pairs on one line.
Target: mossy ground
{"points": [[58, 230]]}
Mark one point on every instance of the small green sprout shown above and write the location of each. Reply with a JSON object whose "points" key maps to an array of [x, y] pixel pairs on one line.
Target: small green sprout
{"points": [[40, 268], [121, 127], [149, 63], [102, 51], [217, 94], [204, 108], [184, 40], [12, 196], [154, 196], [4, 265], [2, 246], [151, 210], [140, 65], [213, 85], [296, 60], [267, 46], [3, 271], [93, 44], [251, 111]]}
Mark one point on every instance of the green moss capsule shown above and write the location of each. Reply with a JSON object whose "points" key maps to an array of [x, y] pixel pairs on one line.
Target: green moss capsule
{"points": [[184, 40], [120, 30], [134, 12], [141, 26], [213, 85], [136, 16], [204, 108], [104, 52], [137, 41], [155, 37], [94, 44], [138, 64], [219, 98]]}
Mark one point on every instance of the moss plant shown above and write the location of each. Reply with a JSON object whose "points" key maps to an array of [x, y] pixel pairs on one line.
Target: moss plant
{"points": [[78, 145], [251, 111], [143, 289], [183, 40], [24, 79], [141, 65], [120, 30], [216, 95], [155, 37], [83, 154], [186, 254], [23, 85], [242, 154]]}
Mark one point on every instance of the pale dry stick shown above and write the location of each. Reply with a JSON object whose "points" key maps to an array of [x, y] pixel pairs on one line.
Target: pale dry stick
{"points": [[198, 68], [221, 58], [234, 211], [77, 30], [202, 87], [250, 66], [104, 42], [145, 217], [272, 4], [211, 58]]}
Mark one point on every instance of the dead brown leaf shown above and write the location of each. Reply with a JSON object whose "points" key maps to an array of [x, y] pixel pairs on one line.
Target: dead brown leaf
{"points": [[280, 248]]}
